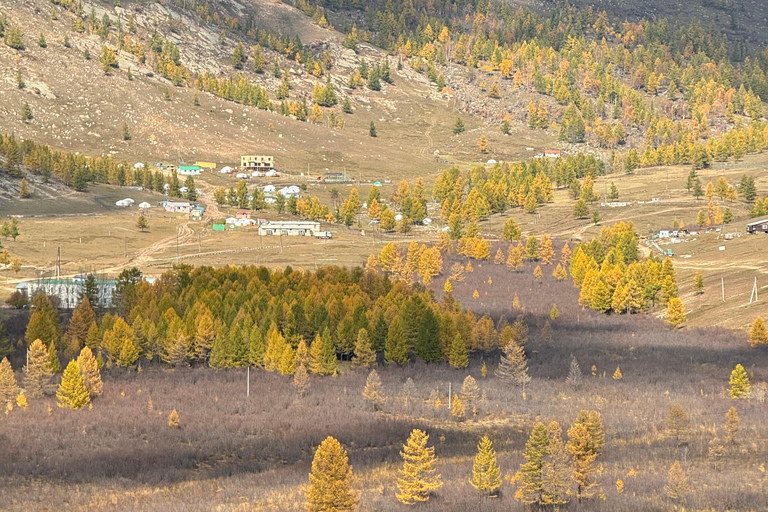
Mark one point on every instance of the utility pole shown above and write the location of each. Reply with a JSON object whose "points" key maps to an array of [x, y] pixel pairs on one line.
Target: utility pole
{"points": [[722, 286], [248, 383], [449, 396], [753, 294]]}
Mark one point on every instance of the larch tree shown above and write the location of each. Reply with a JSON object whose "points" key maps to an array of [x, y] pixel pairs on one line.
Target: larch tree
{"points": [[364, 354], [458, 410], [532, 248], [546, 251], [740, 387], [556, 469], [559, 273], [675, 314], [677, 483], [470, 393], [418, 478], [529, 476], [698, 283], [301, 379], [511, 231], [395, 346], [732, 422], [515, 258], [89, 367], [8, 386], [678, 423], [486, 473], [574, 374], [330, 482], [77, 331], [459, 354], [287, 365], [538, 274], [173, 419], [372, 392], [580, 447], [72, 393], [513, 366], [758, 334], [37, 378]]}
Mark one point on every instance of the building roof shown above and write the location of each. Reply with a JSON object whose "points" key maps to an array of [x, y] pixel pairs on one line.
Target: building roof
{"points": [[290, 224], [758, 222], [189, 168], [175, 204]]}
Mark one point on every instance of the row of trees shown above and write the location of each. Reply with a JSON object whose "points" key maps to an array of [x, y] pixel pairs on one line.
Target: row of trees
{"points": [[553, 470]]}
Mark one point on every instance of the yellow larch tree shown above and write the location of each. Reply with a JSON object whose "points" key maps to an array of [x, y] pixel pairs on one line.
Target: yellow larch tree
{"points": [[486, 473], [330, 482], [546, 251], [72, 393], [8, 386], [418, 478], [89, 367]]}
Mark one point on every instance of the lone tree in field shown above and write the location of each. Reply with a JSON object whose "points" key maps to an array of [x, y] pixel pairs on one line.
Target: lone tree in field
{"points": [[758, 334], [372, 130], [740, 387], [513, 367], [418, 478], [732, 422], [89, 368], [72, 393], [574, 374], [8, 386], [698, 283], [677, 483], [372, 391], [458, 127], [678, 424], [142, 223], [675, 314], [330, 482], [486, 474], [174, 419], [482, 144], [38, 375]]}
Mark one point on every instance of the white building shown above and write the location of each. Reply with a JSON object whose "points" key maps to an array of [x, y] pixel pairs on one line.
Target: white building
{"points": [[289, 228]]}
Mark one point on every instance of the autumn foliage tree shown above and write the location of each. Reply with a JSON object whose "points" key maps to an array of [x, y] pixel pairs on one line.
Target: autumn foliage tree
{"points": [[486, 473], [38, 375], [330, 482], [418, 478], [72, 393]]}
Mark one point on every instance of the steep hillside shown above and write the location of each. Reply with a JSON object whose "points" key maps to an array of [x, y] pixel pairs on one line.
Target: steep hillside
{"points": [[77, 107]]}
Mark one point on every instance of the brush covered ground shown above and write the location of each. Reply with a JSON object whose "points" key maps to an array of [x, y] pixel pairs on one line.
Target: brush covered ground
{"points": [[122, 455]]}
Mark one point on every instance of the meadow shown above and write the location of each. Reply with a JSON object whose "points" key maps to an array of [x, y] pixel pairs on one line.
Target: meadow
{"points": [[234, 452]]}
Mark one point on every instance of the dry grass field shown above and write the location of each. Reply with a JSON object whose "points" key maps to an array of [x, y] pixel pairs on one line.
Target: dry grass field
{"points": [[122, 455]]}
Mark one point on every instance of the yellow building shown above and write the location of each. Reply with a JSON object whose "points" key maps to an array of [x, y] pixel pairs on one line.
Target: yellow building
{"points": [[256, 163]]}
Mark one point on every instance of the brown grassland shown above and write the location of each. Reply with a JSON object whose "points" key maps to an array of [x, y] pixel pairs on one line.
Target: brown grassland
{"points": [[237, 453]]}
